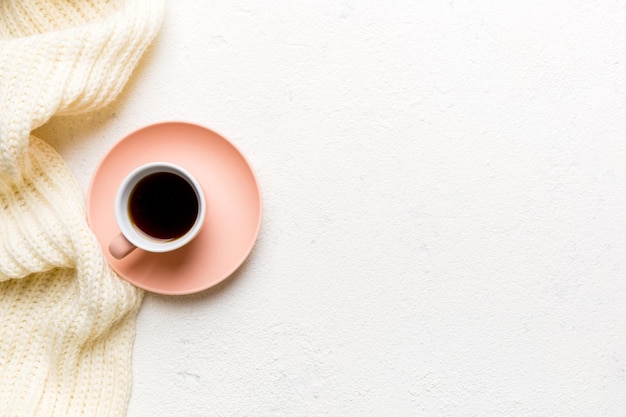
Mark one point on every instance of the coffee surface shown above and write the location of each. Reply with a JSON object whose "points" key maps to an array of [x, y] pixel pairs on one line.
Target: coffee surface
{"points": [[163, 205]]}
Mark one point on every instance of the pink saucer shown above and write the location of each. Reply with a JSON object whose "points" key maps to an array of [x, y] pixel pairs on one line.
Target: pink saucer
{"points": [[233, 199]]}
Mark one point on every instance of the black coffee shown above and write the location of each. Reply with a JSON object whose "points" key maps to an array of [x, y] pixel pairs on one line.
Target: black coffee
{"points": [[163, 205]]}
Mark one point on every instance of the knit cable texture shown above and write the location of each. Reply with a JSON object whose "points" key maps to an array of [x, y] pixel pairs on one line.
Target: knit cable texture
{"points": [[67, 322]]}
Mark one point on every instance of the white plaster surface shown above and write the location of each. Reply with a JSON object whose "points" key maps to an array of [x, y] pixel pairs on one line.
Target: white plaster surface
{"points": [[445, 194]]}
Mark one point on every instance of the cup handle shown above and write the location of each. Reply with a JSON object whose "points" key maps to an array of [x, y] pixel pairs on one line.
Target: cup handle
{"points": [[120, 247]]}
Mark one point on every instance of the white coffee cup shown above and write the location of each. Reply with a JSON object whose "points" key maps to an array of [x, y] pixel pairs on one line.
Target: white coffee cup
{"points": [[166, 199]]}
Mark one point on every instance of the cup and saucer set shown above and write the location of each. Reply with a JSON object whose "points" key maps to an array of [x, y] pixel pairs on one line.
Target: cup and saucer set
{"points": [[176, 208]]}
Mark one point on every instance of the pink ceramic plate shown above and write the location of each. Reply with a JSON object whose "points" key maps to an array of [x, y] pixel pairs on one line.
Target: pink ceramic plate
{"points": [[233, 201]]}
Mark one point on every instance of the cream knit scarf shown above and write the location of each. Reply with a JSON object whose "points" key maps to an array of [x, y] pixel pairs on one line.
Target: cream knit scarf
{"points": [[67, 321]]}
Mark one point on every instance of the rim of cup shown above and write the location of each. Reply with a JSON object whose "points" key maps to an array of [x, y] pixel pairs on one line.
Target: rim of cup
{"points": [[141, 239]]}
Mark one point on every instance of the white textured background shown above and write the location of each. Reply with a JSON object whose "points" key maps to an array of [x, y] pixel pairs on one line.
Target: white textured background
{"points": [[445, 196]]}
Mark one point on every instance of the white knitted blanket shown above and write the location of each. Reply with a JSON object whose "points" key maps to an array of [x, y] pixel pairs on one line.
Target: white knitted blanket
{"points": [[67, 321]]}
